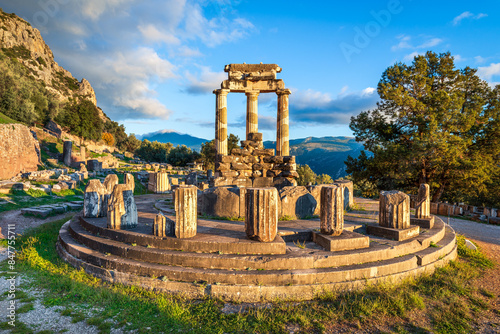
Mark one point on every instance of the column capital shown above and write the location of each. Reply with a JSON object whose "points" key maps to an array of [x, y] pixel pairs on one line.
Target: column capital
{"points": [[284, 91], [252, 92], [221, 91]]}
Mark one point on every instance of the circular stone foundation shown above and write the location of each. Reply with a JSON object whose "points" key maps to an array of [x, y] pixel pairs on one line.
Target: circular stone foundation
{"points": [[221, 262]]}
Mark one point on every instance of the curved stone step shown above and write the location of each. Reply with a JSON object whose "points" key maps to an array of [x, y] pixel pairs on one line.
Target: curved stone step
{"points": [[301, 259], [226, 276], [246, 293]]}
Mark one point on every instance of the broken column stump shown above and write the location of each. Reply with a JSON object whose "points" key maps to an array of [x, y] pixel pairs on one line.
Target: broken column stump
{"points": [[93, 199], [186, 211], [332, 210], [423, 216], [122, 210], [130, 181], [67, 148], [261, 213], [158, 183], [394, 217], [333, 237], [163, 226]]}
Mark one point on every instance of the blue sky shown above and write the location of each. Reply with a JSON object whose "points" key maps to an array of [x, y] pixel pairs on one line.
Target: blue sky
{"points": [[155, 63]]}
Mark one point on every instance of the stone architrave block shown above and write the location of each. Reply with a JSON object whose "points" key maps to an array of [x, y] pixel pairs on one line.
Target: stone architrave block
{"points": [[186, 211], [394, 209], [423, 205], [122, 210], [93, 199], [332, 210], [261, 213]]}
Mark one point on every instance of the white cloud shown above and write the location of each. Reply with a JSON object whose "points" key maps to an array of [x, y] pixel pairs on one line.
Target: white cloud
{"points": [[411, 56], [479, 59], [205, 81], [467, 15], [487, 72], [151, 33], [315, 107], [426, 42]]}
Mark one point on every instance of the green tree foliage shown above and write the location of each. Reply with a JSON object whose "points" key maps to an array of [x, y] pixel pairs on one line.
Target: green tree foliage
{"points": [[306, 175], [434, 124], [208, 150], [82, 119], [182, 155], [121, 139], [22, 98], [130, 144], [324, 179], [152, 151]]}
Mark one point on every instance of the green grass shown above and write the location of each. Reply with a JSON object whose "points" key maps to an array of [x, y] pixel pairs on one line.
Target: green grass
{"points": [[6, 120], [33, 197], [139, 189], [447, 296]]}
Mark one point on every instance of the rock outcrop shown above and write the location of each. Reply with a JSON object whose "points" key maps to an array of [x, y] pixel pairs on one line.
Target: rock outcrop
{"points": [[19, 150], [20, 40]]}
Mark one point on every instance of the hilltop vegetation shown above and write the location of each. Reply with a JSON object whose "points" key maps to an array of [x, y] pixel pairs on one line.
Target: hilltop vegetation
{"points": [[435, 124]]}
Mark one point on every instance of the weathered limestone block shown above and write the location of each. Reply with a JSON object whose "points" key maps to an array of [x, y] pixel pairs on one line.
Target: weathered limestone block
{"points": [[316, 192], [394, 209], [220, 202], [93, 199], [186, 211], [94, 165], [122, 210], [261, 213], [67, 147], [163, 226], [348, 188], [130, 181], [19, 150], [423, 205], [297, 202], [192, 178], [332, 210], [109, 183]]}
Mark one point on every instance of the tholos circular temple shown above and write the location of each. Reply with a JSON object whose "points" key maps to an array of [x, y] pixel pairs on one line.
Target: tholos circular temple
{"points": [[254, 235]]}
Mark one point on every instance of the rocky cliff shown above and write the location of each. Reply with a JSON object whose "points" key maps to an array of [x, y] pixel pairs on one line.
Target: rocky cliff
{"points": [[19, 150], [18, 39]]}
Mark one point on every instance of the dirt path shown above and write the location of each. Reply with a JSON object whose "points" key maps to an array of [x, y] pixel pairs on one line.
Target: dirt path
{"points": [[22, 223]]}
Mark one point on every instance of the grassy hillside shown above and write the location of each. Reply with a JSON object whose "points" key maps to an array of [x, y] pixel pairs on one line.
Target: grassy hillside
{"points": [[6, 120]]}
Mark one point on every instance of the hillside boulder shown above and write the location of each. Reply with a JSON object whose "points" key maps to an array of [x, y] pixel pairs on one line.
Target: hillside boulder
{"points": [[19, 150]]}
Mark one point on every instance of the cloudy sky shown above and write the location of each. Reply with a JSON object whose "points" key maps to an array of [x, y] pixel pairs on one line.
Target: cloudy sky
{"points": [[155, 63]]}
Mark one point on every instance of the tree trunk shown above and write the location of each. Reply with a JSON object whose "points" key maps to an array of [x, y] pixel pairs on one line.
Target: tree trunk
{"points": [[437, 195]]}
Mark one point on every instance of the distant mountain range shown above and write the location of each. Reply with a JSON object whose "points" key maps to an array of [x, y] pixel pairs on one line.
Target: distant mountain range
{"points": [[169, 136], [325, 155]]}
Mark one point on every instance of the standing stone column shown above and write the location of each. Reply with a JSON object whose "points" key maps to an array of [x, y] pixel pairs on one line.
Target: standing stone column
{"points": [[82, 153], [93, 199], [221, 121], [67, 148], [423, 207], [282, 133], [130, 181], [122, 210], [394, 209], [163, 226], [109, 183], [186, 211], [261, 213], [332, 210], [252, 112]]}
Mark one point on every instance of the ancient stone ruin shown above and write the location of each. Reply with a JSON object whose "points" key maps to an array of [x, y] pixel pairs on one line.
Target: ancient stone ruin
{"points": [[254, 235], [252, 165]]}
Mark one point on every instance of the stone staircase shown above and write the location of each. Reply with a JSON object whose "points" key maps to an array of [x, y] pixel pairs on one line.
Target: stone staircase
{"points": [[221, 262]]}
